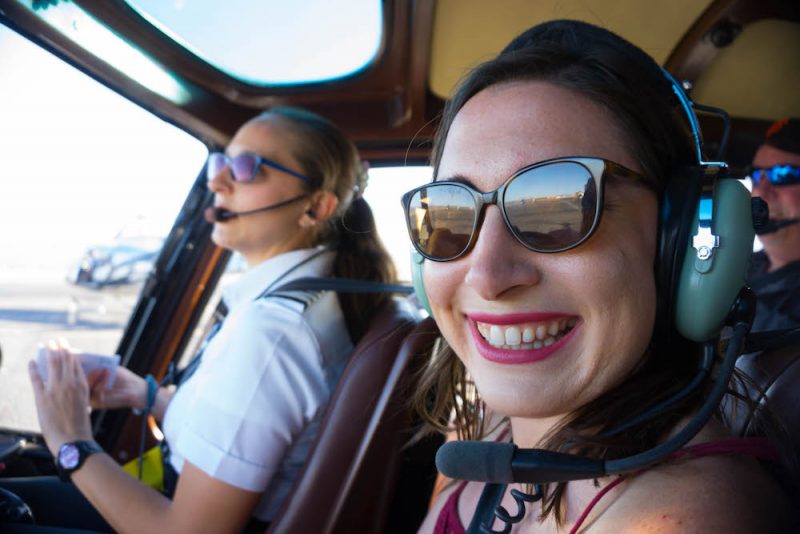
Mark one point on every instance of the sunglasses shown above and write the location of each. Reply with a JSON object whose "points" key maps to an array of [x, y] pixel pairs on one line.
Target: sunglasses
{"points": [[776, 175], [244, 167], [550, 206]]}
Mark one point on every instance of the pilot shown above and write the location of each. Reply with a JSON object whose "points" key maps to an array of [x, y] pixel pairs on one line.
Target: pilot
{"points": [[287, 197]]}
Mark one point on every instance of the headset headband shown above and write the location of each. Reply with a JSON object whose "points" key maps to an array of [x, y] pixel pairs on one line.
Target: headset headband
{"points": [[688, 108]]}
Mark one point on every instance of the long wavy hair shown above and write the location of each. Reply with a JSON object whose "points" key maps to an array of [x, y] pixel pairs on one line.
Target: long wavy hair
{"points": [[612, 72], [333, 163]]}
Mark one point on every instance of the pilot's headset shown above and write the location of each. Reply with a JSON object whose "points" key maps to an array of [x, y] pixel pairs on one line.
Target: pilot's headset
{"points": [[704, 245]]}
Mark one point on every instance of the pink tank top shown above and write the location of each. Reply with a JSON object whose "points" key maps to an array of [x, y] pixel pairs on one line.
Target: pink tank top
{"points": [[448, 521]]}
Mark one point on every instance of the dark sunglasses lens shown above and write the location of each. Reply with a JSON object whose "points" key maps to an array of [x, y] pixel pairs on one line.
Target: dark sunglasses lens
{"points": [[243, 167], [785, 175], [552, 207], [216, 162], [441, 218]]}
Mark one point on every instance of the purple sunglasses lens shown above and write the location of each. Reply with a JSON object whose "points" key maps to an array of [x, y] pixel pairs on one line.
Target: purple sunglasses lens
{"points": [[244, 167]]}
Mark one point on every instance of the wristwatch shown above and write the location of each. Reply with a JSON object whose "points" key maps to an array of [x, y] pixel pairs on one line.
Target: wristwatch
{"points": [[71, 456]]}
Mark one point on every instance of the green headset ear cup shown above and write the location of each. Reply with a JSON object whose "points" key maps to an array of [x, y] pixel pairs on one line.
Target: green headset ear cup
{"points": [[707, 289], [416, 279]]}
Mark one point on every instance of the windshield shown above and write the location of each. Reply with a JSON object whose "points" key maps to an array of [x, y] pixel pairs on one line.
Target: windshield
{"points": [[91, 186]]}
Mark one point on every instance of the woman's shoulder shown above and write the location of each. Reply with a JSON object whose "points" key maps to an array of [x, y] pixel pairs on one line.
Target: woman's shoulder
{"points": [[722, 492]]}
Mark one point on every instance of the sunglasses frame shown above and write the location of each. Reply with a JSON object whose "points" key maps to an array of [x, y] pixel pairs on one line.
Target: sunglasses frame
{"points": [[770, 173], [598, 168], [259, 159]]}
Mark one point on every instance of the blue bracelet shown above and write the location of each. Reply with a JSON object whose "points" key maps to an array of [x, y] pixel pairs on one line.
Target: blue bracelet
{"points": [[150, 400], [152, 391]]}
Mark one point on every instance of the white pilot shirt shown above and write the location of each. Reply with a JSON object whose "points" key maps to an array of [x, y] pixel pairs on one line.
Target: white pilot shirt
{"points": [[250, 413]]}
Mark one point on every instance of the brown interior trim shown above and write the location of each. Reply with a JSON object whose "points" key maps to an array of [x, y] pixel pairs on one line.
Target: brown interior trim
{"points": [[717, 27]]}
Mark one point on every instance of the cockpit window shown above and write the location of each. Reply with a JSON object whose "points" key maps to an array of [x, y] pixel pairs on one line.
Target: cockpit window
{"points": [[273, 42], [91, 185]]}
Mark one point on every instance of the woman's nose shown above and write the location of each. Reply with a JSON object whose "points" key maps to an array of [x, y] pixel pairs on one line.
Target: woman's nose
{"points": [[220, 181], [498, 262]]}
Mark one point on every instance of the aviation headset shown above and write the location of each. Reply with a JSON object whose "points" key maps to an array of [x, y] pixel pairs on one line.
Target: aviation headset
{"points": [[704, 245]]}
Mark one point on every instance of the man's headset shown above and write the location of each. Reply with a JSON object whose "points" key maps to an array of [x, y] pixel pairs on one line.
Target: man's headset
{"points": [[704, 246]]}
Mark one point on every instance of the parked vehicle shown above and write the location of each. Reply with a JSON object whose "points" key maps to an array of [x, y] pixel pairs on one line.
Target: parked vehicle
{"points": [[127, 261]]}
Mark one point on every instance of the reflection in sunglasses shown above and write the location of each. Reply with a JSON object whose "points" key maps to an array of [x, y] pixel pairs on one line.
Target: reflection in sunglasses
{"points": [[777, 175], [550, 206]]}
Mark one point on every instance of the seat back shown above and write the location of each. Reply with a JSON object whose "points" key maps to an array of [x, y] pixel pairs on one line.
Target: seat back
{"points": [[355, 458], [777, 374]]}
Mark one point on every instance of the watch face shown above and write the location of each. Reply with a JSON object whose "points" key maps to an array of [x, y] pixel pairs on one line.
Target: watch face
{"points": [[68, 456]]}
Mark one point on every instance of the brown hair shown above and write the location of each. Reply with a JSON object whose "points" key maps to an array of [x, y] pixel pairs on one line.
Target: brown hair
{"points": [[332, 161]]}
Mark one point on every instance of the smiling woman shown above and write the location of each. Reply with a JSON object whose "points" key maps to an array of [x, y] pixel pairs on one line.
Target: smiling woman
{"points": [[544, 240], [563, 334]]}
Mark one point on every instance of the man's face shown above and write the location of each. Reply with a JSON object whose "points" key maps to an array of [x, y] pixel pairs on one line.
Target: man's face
{"points": [[784, 203]]}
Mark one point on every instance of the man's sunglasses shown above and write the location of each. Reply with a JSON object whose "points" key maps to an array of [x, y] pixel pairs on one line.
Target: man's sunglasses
{"points": [[776, 175], [245, 166], [550, 206]]}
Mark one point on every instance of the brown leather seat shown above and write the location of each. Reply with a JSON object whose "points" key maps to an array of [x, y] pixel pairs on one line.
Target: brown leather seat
{"points": [[777, 374], [349, 480]]}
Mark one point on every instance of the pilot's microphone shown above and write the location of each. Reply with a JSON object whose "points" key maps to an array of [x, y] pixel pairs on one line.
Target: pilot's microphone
{"points": [[218, 214], [773, 225], [762, 223], [213, 215]]}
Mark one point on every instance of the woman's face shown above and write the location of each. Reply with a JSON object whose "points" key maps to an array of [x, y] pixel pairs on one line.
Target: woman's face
{"points": [[592, 307], [264, 234]]}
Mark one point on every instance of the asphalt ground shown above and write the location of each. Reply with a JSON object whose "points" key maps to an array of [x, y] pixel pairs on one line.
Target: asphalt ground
{"points": [[35, 312]]}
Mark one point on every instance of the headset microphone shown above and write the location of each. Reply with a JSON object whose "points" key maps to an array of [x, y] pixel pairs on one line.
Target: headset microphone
{"points": [[773, 225], [214, 215]]}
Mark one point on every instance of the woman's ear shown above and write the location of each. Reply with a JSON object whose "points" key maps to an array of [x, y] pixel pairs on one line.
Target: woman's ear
{"points": [[323, 205]]}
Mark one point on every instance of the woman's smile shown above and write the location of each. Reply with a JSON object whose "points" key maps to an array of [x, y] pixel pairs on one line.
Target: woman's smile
{"points": [[520, 338]]}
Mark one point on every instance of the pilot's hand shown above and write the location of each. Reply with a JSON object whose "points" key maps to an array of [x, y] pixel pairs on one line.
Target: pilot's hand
{"points": [[128, 391], [63, 401]]}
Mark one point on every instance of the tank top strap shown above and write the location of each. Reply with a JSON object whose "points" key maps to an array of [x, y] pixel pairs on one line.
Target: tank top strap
{"points": [[448, 521]]}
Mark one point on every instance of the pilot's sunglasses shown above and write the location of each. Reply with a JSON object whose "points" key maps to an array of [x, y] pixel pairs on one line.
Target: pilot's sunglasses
{"points": [[550, 206], [776, 175], [244, 167]]}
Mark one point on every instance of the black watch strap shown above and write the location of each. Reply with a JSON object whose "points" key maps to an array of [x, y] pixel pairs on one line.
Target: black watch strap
{"points": [[72, 455]]}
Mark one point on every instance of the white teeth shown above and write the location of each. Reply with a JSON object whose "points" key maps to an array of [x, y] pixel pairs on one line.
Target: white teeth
{"points": [[527, 335], [496, 336], [553, 330], [541, 331], [513, 336]]}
